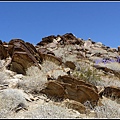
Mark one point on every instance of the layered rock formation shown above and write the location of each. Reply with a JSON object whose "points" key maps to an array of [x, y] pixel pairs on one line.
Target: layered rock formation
{"points": [[58, 58]]}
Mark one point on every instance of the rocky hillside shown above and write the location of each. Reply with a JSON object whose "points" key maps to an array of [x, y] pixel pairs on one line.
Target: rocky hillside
{"points": [[60, 77]]}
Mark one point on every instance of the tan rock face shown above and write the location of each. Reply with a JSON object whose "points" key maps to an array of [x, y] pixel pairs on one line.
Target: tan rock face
{"points": [[70, 64], [119, 49], [3, 51], [44, 51], [54, 89], [23, 55], [75, 82], [57, 58], [111, 92], [52, 58], [47, 40], [72, 89], [76, 106]]}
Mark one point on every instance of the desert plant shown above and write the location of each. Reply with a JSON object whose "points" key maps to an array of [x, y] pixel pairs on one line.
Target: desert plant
{"points": [[34, 81], [45, 110], [87, 74], [109, 109], [9, 99]]}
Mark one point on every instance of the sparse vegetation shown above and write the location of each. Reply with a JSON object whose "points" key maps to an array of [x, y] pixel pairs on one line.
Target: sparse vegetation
{"points": [[34, 81], [9, 99], [87, 74], [51, 111], [110, 109]]}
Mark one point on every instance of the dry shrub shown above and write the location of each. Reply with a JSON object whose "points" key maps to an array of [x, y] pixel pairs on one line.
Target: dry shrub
{"points": [[110, 109], [48, 66], [9, 99], [34, 81], [45, 110]]}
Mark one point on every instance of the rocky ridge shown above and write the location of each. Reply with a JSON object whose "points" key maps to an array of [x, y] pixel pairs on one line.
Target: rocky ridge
{"points": [[61, 70]]}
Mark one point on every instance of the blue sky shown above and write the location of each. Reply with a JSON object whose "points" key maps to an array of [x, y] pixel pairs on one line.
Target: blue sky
{"points": [[31, 21]]}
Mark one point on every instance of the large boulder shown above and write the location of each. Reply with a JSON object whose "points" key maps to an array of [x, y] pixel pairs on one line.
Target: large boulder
{"points": [[44, 51], [46, 40], [23, 55], [51, 58], [75, 82], [3, 51], [70, 64], [72, 89], [72, 104], [119, 49], [54, 89], [111, 92]]}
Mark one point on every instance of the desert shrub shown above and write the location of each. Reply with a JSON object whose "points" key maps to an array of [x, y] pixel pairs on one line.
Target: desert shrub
{"points": [[45, 110], [110, 109], [48, 66], [9, 99], [4, 76], [109, 81], [2, 63], [87, 74], [34, 81]]}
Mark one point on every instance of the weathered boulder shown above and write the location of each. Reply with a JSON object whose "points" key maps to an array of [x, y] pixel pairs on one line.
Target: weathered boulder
{"points": [[81, 93], [72, 89], [108, 69], [65, 39], [52, 58], [45, 51], [23, 55], [70, 64], [72, 104], [111, 92], [46, 40], [54, 89], [111, 50], [3, 51], [69, 36], [75, 82], [118, 49]]}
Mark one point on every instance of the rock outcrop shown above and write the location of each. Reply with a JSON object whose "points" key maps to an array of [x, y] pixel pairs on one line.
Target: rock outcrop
{"points": [[111, 92], [63, 68], [73, 89], [3, 51]]}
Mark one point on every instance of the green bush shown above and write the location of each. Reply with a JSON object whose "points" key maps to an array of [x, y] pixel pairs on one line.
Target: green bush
{"points": [[87, 74]]}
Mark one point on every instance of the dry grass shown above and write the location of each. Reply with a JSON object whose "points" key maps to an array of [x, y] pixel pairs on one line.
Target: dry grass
{"points": [[9, 99], [109, 81], [48, 66], [41, 110], [50, 111], [110, 109], [34, 81]]}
